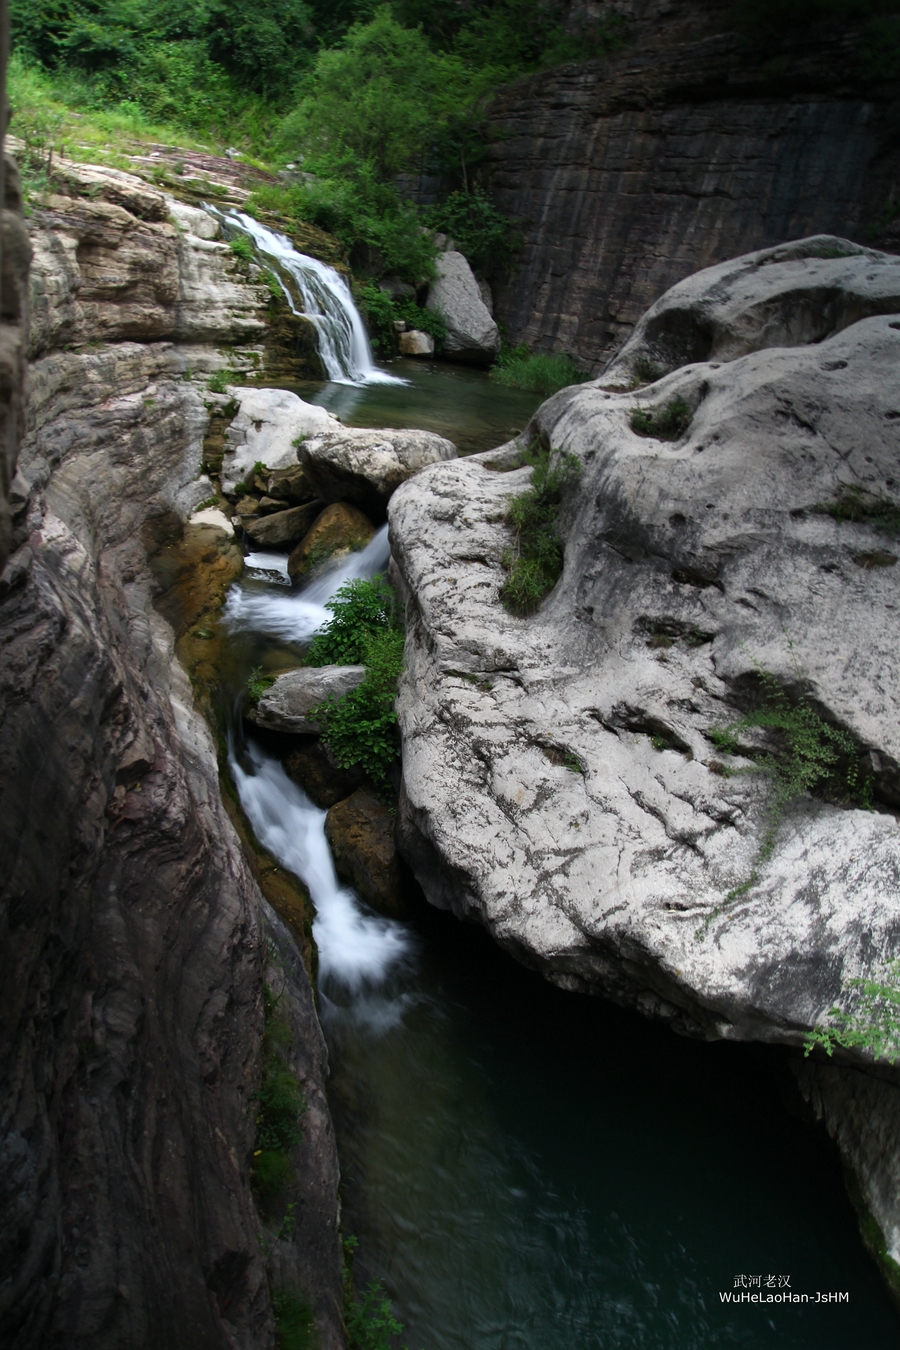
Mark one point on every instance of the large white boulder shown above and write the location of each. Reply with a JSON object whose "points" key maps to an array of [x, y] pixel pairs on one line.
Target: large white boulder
{"points": [[287, 704], [472, 334], [366, 467], [266, 429], [688, 564], [560, 779]]}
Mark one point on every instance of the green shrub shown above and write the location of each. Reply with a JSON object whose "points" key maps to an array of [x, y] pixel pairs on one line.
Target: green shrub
{"points": [[381, 312], [487, 237], [359, 608], [535, 563], [370, 1321], [873, 1025], [242, 248], [541, 373], [360, 729], [219, 381], [664, 424]]}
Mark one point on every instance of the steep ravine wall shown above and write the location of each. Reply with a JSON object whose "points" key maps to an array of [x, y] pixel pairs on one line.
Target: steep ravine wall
{"points": [[133, 938], [690, 146]]}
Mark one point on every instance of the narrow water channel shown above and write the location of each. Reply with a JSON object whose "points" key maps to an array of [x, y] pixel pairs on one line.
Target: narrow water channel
{"points": [[527, 1169]]}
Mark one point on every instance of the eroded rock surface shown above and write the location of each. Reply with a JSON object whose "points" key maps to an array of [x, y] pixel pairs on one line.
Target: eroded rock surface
{"points": [[627, 174], [560, 780], [266, 429], [366, 467]]}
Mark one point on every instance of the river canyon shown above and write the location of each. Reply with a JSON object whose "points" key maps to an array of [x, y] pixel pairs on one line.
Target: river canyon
{"points": [[553, 1085]]}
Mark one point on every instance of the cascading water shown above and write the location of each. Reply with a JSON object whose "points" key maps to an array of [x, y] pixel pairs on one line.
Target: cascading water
{"points": [[320, 294], [357, 949]]}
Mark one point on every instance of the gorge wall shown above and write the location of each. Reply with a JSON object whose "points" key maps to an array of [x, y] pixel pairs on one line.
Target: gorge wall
{"points": [[692, 144], [134, 940]]}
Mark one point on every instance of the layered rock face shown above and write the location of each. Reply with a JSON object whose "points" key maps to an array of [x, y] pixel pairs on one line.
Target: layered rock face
{"points": [[561, 779], [134, 940], [689, 146]]}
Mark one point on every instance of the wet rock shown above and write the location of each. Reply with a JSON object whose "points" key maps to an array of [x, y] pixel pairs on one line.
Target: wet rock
{"points": [[360, 832], [266, 429], [134, 935], [283, 528], [340, 529], [366, 467], [416, 343], [287, 704], [472, 335], [290, 485], [313, 767]]}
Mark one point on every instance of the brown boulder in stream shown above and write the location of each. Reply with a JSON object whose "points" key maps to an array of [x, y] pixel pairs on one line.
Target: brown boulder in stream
{"points": [[340, 529], [360, 833]]}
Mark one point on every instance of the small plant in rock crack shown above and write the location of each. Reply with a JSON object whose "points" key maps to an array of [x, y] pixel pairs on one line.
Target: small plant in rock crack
{"points": [[873, 1024], [534, 564], [665, 424], [258, 684], [805, 754], [861, 506], [280, 1106], [218, 382]]}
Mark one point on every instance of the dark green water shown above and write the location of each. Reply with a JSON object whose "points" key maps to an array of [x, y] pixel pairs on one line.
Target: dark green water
{"points": [[455, 401], [528, 1169]]}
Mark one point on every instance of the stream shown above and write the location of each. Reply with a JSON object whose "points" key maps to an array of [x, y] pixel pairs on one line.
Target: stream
{"points": [[527, 1169]]}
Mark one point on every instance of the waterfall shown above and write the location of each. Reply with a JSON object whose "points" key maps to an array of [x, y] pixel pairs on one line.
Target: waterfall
{"points": [[319, 293], [296, 615], [358, 949]]}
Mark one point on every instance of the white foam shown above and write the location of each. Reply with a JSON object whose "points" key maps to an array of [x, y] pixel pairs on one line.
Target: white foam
{"points": [[357, 949], [295, 617]]}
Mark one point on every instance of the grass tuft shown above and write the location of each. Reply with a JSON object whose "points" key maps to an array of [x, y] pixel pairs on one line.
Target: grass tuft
{"points": [[534, 564], [664, 424], [538, 372]]}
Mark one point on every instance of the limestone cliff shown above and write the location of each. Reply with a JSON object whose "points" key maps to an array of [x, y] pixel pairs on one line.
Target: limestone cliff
{"points": [[133, 938], [692, 144]]}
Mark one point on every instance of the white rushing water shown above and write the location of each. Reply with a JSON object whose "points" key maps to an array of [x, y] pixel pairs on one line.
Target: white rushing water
{"points": [[296, 615], [318, 292], [358, 949]]}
